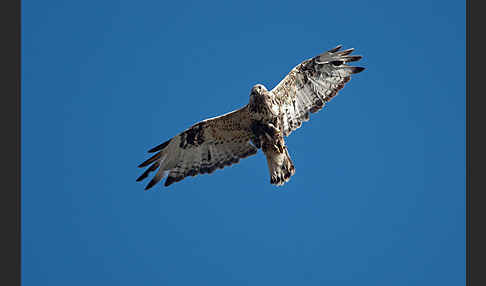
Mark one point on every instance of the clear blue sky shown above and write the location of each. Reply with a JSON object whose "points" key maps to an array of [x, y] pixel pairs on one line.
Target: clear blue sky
{"points": [[378, 197]]}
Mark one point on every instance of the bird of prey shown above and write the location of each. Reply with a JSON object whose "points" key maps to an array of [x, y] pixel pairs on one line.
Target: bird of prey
{"points": [[263, 123]]}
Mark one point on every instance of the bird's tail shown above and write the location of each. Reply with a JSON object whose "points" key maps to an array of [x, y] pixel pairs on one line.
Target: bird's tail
{"points": [[280, 166]]}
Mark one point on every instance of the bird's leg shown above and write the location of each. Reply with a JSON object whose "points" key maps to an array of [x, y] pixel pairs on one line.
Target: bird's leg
{"points": [[261, 129], [273, 131], [268, 136], [280, 144], [269, 129], [277, 136]]}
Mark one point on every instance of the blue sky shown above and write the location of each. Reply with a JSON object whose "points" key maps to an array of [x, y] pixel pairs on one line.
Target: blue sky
{"points": [[378, 197]]}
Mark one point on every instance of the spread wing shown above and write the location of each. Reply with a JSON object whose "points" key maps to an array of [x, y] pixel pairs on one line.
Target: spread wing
{"points": [[206, 146], [311, 84]]}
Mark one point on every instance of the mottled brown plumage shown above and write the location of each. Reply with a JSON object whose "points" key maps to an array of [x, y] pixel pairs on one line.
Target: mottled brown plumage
{"points": [[262, 124]]}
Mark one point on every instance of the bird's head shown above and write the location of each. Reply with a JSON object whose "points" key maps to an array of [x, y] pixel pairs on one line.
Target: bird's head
{"points": [[258, 96], [258, 89]]}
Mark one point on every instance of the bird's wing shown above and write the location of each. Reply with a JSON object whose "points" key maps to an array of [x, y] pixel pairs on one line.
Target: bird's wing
{"points": [[206, 146], [311, 84]]}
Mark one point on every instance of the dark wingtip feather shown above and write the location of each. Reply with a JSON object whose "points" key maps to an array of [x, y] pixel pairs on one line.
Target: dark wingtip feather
{"points": [[152, 182], [349, 59], [169, 181], [147, 172], [149, 185], [160, 147], [150, 160], [337, 48], [143, 176], [336, 63], [346, 52], [357, 69]]}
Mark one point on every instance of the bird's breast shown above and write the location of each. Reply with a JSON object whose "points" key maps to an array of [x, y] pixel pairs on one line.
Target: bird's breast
{"points": [[264, 106]]}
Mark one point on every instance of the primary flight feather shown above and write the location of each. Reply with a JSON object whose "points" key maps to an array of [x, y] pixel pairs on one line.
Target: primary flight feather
{"points": [[261, 124]]}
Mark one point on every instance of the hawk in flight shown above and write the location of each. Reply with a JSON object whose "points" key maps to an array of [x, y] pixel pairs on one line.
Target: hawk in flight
{"points": [[263, 123]]}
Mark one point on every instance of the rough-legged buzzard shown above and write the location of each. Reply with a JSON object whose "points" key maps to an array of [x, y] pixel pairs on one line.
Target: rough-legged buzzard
{"points": [[261, 124]]}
